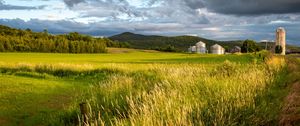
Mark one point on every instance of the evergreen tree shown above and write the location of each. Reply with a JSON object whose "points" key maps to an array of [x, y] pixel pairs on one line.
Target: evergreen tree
{"points": [[2, 49], [7, 46]]}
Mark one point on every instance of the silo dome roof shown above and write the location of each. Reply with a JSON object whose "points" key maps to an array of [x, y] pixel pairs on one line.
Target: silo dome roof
{"points": [[280, 29], [200, 44], [216, 47]]}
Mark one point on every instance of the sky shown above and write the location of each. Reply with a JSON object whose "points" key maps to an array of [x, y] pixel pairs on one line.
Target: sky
{"points": [[213, 19]]}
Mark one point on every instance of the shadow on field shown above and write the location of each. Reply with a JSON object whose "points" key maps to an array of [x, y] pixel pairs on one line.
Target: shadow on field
{"points": [[41, 71], [206, 59], [101, 81]]}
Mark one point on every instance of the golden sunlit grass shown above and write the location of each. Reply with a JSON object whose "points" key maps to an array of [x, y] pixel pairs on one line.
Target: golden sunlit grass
{"points": [[186, 95], [159, 89]]}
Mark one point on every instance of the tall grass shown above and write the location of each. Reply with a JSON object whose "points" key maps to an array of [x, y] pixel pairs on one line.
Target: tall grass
{"points": [[229, 94]]}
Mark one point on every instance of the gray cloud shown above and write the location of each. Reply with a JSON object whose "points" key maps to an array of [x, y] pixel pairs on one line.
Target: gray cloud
{"points": [[4, 6], [213, 19], [71, 3], [233, 32], [108, 8], [234, 7], [194, 4], [253, 7], [175, 11]]}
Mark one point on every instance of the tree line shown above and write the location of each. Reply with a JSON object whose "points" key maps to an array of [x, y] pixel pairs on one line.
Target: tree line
{"points": [[16, 40], [250, 46]]}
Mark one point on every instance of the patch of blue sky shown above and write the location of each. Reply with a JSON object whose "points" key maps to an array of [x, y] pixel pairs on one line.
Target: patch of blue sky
{"points": [[31, 2], [38, 14], [54, 10]]}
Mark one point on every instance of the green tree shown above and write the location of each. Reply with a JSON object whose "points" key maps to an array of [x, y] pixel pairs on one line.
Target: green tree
{"points": [[83, 47], [65, 46], [28, 30], [22, 48], [7, 46], [72, 47], [26, 40], [249, 46], [77, 45], [226, 48], [2, 49], [45, 31]]}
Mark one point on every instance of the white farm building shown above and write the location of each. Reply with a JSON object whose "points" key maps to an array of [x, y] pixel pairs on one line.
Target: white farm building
{"points": [[217, 49], [200, 48]]}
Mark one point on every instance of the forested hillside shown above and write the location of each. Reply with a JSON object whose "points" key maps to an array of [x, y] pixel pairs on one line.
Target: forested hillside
{"points": [[177, 43], [16, 40], [180, 43]]}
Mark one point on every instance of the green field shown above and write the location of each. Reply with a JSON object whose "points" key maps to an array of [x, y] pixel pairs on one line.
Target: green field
{"points": [[137, 87], [127, 58]]}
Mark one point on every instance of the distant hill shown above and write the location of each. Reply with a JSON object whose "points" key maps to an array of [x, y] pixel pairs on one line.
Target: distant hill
{"points": [[178, 43]]}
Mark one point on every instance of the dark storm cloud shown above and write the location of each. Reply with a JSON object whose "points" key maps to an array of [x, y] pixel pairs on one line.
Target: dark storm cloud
{"points": [[4, 6], [253, 7], [96, 29], [213, 19], [164, 11], [233, 32], [55, 27], [194, 4], [71, 3]]}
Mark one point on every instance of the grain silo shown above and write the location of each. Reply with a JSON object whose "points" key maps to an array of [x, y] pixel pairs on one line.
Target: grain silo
{"points": [[217, 49], [194, 49], [201, 47], [190, 49], [281, 39]]}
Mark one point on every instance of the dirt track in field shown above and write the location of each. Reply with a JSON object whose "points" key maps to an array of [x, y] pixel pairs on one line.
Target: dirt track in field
{"points": [[290, 113]]}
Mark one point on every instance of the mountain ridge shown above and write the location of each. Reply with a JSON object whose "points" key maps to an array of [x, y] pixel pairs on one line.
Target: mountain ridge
{"points": [[180, 43]]}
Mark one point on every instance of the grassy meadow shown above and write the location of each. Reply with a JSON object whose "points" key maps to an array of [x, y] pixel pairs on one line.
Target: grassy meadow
{"points": [[138, 87]]}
